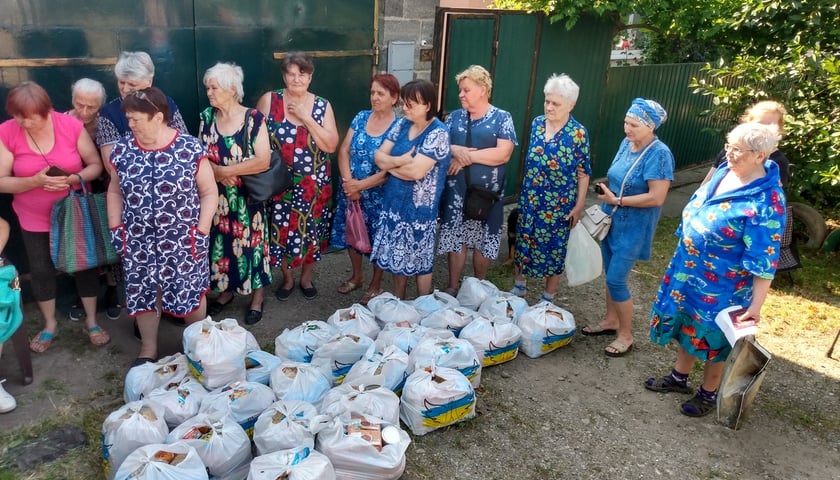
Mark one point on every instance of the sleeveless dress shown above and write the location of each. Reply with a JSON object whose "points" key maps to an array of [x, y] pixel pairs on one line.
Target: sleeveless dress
{"points": [[362, 148], [159, 241], [300, 218], [239, 238], [405, 237]]}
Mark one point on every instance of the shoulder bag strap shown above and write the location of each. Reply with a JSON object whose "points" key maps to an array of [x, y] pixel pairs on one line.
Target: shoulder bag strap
{"points": [[632, 167], [468, 142]]}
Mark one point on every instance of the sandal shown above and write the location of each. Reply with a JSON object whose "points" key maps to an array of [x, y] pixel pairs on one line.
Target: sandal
{"points": [[697, 407], [42, 342], [348, 287], [597, 330], [97, 336], [370, 294], [666, 384], [620, 349]]}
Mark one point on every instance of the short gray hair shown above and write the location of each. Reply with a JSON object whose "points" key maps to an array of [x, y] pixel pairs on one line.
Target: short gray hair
{"points": [[89, 85], [227, 75], [136, 66], [755, 136], [563, 86]]}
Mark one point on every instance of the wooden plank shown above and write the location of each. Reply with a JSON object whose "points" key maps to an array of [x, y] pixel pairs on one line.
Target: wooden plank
{"points": [[54, 62]]}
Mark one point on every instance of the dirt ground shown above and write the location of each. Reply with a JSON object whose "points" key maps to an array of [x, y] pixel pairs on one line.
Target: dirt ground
{"points": [[573, 413]]}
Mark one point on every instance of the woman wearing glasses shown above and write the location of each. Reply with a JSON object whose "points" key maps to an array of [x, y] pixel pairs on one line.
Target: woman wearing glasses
{"points": [[302, 127], [161, 202]]}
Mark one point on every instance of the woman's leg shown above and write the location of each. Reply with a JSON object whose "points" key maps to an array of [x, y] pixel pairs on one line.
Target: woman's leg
{"points": [[306, 275], [456, 262], [376, 279], [552, 284], [424, 284], [288, 275], [481, 264], [148, 323], [399, 285], [358, 276], [619, 299], [42, 274], [199, 313], [87, 287], [257, 299]]}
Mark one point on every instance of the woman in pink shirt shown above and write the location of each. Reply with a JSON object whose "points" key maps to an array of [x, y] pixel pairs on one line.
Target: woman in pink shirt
{"points": [[44, 154]]}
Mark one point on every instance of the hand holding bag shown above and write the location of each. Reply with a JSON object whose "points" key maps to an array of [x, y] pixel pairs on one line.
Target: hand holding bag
{"points": [[356, 234], [79, 234], [272, 182], [583, 257]]}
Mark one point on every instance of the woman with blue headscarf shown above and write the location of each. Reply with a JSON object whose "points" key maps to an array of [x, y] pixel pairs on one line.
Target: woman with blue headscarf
{"points": [[639, 178]]}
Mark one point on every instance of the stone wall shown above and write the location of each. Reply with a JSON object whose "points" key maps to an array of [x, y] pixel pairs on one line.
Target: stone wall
{"points": [[408, 20]]}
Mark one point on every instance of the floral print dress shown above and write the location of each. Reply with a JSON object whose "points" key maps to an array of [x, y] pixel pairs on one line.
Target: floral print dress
{"points": [[549, 193], [239, 238], [725, 240]]}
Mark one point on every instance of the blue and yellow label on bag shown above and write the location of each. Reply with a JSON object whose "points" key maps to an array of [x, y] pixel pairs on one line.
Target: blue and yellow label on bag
{"points": [[496, 355], [554, 341], [436, 416]]}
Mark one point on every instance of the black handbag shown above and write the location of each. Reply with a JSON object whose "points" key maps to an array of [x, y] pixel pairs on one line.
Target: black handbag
{"points": [[478, 200], [275, 181]]}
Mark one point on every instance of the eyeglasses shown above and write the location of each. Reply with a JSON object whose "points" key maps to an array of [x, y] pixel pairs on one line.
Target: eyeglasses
{"points": [[735, 149], [142, 96]]}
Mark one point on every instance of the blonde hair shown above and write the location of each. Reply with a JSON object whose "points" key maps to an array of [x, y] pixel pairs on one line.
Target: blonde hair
{"points": [[477, 74], [755, 112]]}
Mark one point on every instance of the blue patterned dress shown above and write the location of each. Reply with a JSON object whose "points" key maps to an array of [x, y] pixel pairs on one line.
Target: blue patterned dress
{"points": [[159, 240], [405, 235], [725, 240], [455, 231], [362, 148], [549, 193]]}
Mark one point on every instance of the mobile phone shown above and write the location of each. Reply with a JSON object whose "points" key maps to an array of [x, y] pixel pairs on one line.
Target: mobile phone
{"points": [[598, 189], [57, 172]]}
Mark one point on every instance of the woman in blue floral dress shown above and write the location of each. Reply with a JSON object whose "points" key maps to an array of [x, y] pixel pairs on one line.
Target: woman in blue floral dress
{"points": [[730, 239], [361, 179], [416, 156], [553, 190], [480, 150]]}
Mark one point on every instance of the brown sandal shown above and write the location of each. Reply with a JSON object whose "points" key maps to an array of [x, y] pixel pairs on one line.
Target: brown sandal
{"points": [[42, 342], [621, 349], [369, 294], [97, 336], [348, 287]]}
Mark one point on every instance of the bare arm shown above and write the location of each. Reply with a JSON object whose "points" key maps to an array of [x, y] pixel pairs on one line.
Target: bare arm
{"points": [[580, 204], [493, 157], [90, 158], [5, 229], [114, 199], [414, 170], [387, 162], [761, 287], [208, 195], [655, 196], [227, 175], [11, 184]]}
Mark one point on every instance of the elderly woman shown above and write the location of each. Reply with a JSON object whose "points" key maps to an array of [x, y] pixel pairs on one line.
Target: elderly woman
{"points": [[727, 254], [361, 179], [161, 203], [302, 125], [239, 262], [44, 154], [482, 138], [134, 71], [416, 156], [639, 178], [553, 192]]}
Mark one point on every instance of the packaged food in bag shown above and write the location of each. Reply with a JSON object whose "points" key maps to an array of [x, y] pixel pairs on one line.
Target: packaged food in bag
{"points": [[219, 440], [243, 401], [259, 364], [364, 398], [389, 367], [142, 379], [180, 400], [301, 463], [158, 461], [452, 319], [356, 320], [435, 397], [299, 343], [340, 353], [437, 300], [451, 353], [131, 426], [300, 381], [494, 342], [503, 307], [362, 447], [389, 309], [407, 337], [583, 257], [474, 291], [216, 351], [286, 424], [545, 328]]}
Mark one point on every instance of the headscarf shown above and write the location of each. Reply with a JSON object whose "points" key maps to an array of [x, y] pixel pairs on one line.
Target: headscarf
{"points": [[647, 112]]}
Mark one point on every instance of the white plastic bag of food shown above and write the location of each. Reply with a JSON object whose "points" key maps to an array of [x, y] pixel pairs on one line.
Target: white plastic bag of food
{"points": [[474, 291], [300, 381], [158, 461], [286, 424], [503, 307], [389, 367], [219, 440], [436, 397], [142, 379], [389, 309], [361, 447], [299, 343], [356, 320], [407, 337], [216, 351], [437, 300], [452, 319], [545, 328], [259, 364], [131, 426], [366, 398], [339, 354], [451, 353], [301, 463], [180, 400], [494, 342], [243, 401], [583, 257]]}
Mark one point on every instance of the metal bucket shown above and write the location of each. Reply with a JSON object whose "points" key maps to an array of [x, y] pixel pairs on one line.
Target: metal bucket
{"points": [[741, 380]]}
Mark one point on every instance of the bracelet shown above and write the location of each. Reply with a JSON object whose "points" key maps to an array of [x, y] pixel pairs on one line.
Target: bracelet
{"points": [[619, 202]]}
